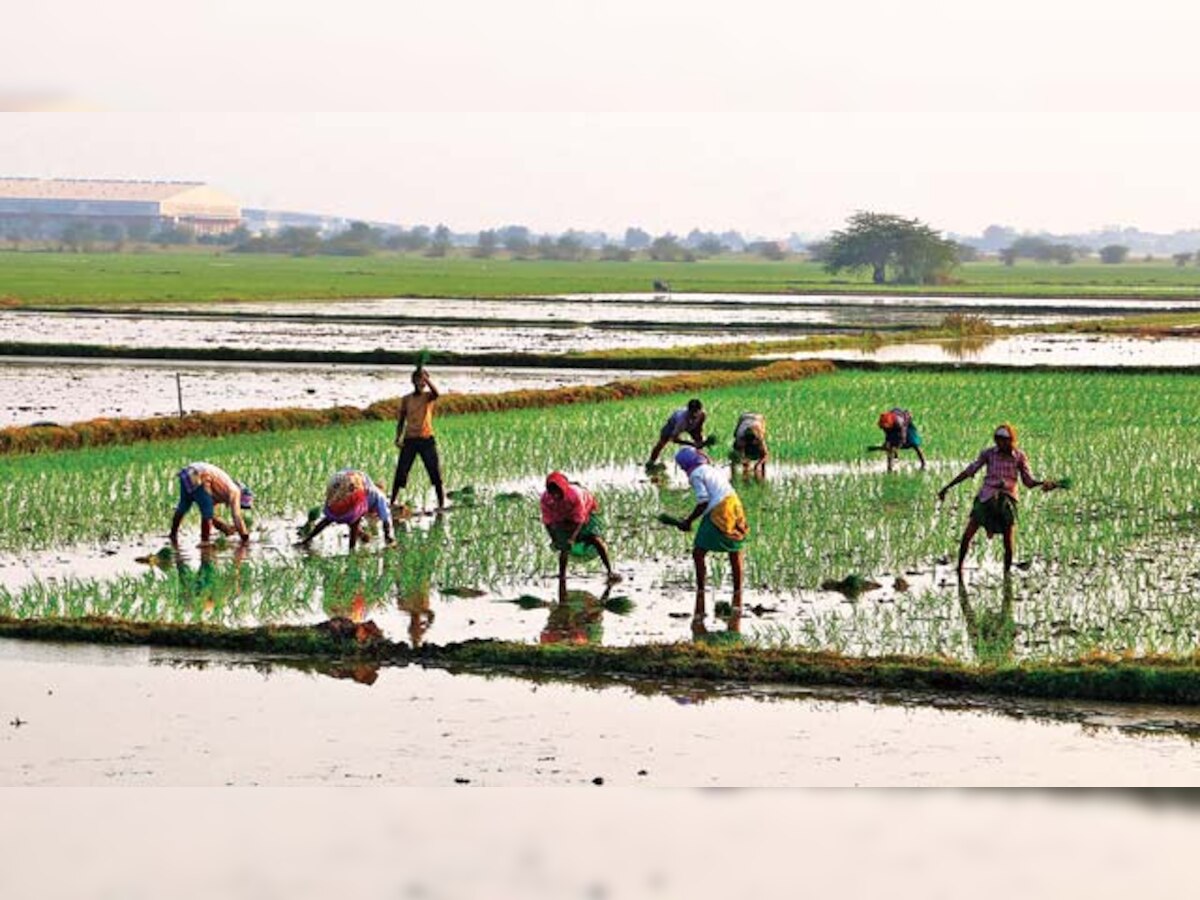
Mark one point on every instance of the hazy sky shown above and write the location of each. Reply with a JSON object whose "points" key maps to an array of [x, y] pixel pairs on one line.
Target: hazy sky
{"points": [[762, 116]]}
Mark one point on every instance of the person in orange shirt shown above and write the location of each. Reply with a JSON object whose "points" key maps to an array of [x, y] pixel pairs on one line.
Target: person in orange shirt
{"points": [[414, 436]]}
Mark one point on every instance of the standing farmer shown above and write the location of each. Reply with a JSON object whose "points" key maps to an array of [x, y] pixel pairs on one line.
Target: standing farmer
{"points": [[995, 506], [572, 515], [899, 433], [687, 420], [206, 485], [723, 528], [414, 436], [750, 443], [350, 496]]}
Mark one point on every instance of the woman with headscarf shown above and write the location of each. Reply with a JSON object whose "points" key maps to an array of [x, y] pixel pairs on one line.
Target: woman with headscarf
{"points": [[723, 526], [995, 506], [572, 517], [899, 433], [350, 497]]}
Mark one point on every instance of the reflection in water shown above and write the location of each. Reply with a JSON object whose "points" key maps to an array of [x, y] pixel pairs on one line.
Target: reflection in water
{"points": [[993, 633], [577, 618], [206, 587], [730, 634], [968, 346], [418, 553]]}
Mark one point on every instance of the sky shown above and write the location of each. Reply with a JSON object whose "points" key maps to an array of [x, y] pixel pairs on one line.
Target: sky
{"points": [[764, 117]]}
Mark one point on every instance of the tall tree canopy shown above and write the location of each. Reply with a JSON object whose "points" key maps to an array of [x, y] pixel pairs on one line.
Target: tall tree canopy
{"points": [[913, 251]]}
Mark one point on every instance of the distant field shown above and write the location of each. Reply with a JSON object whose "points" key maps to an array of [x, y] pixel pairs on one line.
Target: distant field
{"points": [[80, 278]]}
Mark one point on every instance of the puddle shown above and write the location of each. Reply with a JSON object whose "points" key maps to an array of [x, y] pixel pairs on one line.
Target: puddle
{"points": [[95, 716], [1030, 350], [71, 390]]}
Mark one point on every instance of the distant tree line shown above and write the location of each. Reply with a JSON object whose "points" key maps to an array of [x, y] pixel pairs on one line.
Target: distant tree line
{"points": [[516, 241]]}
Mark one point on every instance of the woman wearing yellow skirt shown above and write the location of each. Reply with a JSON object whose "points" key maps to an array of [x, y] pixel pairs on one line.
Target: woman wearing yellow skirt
{"points": [[723, 526]]}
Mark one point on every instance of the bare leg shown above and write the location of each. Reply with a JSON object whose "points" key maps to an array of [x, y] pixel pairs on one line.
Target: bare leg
{"points": [[562, 567], [698, 558], [602, 549], [891, 458], [317, 529], [965, 544], [735, 563], [205, 530], [920, 456], [1009, 541], [354, 534]]}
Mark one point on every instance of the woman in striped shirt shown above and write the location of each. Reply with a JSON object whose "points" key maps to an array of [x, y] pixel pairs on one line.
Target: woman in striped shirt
{"points": [[995, 506]]}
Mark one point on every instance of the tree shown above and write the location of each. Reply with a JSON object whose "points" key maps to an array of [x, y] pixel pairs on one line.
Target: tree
{"points": [[1182, 259], [516, 239], [485, 247], [1113, 254], [615, 253], [569, 246], [914, 252], [766, 249], [440, 243], [666, 248], [360, 239], [636, 239]]}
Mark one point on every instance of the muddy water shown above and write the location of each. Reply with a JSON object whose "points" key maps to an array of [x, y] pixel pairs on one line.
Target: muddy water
{"points": [[774, 307], [1032, 350], [71, 390], [467, 336], [104, 716]]}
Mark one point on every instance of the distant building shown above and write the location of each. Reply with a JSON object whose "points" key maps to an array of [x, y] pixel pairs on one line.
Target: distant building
{"points": [[272, 221], [44, 207]]}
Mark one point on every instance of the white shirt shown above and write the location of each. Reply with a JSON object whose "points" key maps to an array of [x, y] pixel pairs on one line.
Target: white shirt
{"points": [[710, 485]]}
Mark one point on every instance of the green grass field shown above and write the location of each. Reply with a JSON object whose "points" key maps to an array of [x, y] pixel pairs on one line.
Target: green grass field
{"points": [[208, 275]]}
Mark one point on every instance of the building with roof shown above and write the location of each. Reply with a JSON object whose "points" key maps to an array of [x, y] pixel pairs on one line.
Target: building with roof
{"points": [[44, 207]]}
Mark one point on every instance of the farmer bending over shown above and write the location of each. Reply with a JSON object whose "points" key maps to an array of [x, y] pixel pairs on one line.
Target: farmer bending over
{"points": [[572, 515], [995, 506], [750, 443], [206, 485], [414, 436], [899, 433], [687, 420], [349, 497], [723, 527]]}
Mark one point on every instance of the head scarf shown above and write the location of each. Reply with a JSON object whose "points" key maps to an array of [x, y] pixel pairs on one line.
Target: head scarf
{"points": [[690, 459], [572, 507], [1011, 432], [887, 420]]}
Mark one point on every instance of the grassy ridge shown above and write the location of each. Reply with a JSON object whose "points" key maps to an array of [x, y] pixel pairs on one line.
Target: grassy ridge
{"points": [[173, 277], [1140, 680]]}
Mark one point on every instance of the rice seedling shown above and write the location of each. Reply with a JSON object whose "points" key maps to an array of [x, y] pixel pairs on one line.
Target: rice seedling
{"points": [[1110, 566]]}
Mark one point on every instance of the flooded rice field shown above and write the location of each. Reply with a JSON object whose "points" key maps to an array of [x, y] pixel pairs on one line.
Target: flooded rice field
{"points": [[466, 336], [1030, 350], [484, 570], [109, 716], [64, 390], [273, 334], [857, 310]]}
